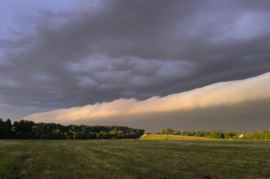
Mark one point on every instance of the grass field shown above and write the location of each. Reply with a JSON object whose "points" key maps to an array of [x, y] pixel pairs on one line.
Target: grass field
{"points": [[133, 159], [171, 137]]}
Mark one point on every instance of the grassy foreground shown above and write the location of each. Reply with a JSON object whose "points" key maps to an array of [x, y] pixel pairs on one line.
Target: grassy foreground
{"points": [[171, 137], [133, 159]]}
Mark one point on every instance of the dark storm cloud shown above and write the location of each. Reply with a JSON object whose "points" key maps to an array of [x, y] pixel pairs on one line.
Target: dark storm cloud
{"points": [[123, 49], [234, 105]]}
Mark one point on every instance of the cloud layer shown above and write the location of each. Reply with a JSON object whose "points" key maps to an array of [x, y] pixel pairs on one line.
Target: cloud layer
{"points": [[218, 95], [67, 54]]}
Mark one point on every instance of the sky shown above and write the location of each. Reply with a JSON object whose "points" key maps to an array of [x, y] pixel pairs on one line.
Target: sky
{"points": [[191, 65]]}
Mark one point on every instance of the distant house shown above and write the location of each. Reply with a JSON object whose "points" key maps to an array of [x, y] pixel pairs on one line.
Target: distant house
{"points": [[240, 135]]}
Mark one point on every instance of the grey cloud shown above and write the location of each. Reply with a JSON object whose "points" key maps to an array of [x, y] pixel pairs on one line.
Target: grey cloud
{"points": [[246, 117], [140, 49], [236, 105]]}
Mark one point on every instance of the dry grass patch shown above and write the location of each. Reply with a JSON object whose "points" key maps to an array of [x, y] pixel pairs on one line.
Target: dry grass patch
{"points": [[171, 137]]}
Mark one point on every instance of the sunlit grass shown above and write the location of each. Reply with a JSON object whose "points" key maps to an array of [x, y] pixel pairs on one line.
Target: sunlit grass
{"points": [[134, 159], [171, 137]]}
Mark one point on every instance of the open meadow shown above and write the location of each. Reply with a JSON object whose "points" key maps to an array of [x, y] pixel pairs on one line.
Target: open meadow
{"points": [[134, 159], [171, 137]]}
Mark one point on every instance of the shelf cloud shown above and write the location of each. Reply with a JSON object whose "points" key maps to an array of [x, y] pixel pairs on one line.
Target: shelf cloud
{"points": [[223, 94], [128, 58]]}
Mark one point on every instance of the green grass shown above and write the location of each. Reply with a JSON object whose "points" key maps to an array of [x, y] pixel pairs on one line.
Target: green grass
{"points": [[134, 159], [171, 137]]}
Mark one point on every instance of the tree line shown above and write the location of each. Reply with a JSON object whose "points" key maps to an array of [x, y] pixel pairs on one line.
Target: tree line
{"points": [[258, 135], [24, 129]]}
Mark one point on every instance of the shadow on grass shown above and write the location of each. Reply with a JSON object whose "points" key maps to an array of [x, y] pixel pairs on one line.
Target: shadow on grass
{"points": [[13, 168]]}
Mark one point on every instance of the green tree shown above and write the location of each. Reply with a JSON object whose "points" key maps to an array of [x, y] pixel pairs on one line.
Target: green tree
{"points": [[185, 133], [167, 131], [2, 131]]}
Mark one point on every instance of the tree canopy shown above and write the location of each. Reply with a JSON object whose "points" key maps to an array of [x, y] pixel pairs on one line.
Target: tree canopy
{"points": [[24, 129], [167, 131], [258, 135]]}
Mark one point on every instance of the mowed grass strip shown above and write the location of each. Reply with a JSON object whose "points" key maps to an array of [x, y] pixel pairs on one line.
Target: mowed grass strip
{"points": [[171, 137], [134, 159]]}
